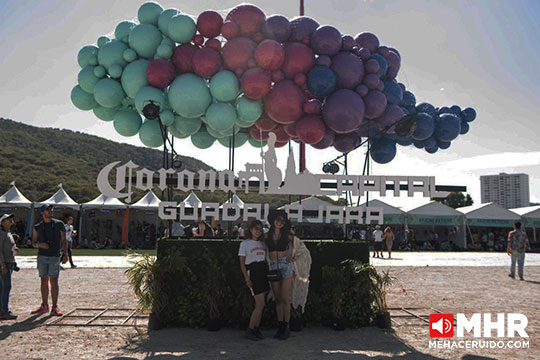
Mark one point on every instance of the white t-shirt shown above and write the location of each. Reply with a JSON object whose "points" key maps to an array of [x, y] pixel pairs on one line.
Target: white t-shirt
{"points": [[69, 231], [252, 250], [378, 235]]}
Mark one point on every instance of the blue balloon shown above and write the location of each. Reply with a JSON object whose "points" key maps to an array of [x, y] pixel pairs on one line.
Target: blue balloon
{"points": [[403, 141], [412, 110], [456, 110], [405, 110], [424, 126], [468, 115], [426, 108], [321, 81], [393, 92], [443, 145], [464, 128], [418, 144], [443, 110], [433, 149], [383, 64], [383, 150], [430, 142], [408, 99], [448, 127]]}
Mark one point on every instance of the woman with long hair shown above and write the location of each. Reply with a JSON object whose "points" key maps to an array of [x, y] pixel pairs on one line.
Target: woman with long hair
{"points": [[389, 237]]}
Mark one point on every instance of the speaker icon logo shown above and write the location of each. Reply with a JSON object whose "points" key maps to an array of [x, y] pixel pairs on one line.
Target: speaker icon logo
{"points": [[441, 325]]}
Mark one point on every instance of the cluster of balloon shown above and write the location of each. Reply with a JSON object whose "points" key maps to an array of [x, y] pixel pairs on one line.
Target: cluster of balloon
{"points": [[235, 79]]}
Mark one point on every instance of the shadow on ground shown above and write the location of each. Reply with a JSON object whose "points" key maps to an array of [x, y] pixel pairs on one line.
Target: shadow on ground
{"points": [[7, 328]]}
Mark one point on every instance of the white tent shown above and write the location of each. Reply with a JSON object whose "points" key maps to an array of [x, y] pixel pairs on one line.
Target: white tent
{"points": [[61, 199], [149, 201], [235, 200], [392, 215], [192, 201], [104, 202], [14, 198], [14, 202], [530, 215], [489, 215]]}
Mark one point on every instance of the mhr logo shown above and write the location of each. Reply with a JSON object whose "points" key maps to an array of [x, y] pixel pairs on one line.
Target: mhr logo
{"points": [[442, 325]]}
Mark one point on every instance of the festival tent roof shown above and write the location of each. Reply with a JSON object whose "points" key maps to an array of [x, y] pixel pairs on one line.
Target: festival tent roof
{"points": [[235, 200], [192, 201], [311, 203], [14, 197], [149, 201], [530, 215], [391, 214], [62, 199], [489, 215], [104, 202], [436, 214]]}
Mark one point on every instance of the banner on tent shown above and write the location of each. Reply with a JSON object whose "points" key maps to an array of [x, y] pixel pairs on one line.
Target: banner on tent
{"points": [[531, 222], [434, 220], [491, 223]]}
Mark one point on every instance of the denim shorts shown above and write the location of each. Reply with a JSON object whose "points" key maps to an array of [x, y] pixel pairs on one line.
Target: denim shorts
{"points": [[285, 267], [48, 266]]}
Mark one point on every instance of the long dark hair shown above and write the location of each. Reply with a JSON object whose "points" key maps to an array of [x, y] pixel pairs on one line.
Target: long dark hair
{"points": [[283, 234], [251, 225]]}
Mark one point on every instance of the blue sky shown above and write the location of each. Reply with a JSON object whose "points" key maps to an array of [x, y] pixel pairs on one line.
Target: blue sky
{"points": [[482, 54]]}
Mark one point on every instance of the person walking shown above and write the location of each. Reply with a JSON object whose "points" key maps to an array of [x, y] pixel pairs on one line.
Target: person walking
{"points": [[517, 244], [48, 236], [7, 263], [389, 237], [377, 239], [70, 234]]}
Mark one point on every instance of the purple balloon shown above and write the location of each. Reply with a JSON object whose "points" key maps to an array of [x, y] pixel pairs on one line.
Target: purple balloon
{"points": [[349, 70], [372, 81], [277, 27], [326, 40], [323, 60], [367, 40], [327, 140], [362, 90], [364, 54], [375, 102], [383, 50], [402, 86], [389, 118], [394, 64], [302, 27], [346, 142], [397, 52], [347, 43], [372, 66], [343, 111], [380, 86]]}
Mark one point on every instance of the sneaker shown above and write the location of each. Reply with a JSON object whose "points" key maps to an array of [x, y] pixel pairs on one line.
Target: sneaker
{"points": [[258, 333], [8, 315], [521, 278], [73, 266], [512, 276], [279, 332], [251, 335], [41, 309], [55, 311]]}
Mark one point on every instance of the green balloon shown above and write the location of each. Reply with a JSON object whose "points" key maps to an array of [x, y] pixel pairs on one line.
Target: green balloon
{"points": [[239, 140], [85, 54], [165, 18], [82, 100], [167, 117], [176, 133], [115, 71], [102, 40], [215, 133], [202, 140], [256, 143], [248, 110], [231, 131], [164, 51], [134, 77], [128, 102], [108, 93], [86, 79], [168, 41], [224, 86], [221, 116], [149, 12], [181, 28], [127, 122], [187, 126], [146, 94], [112, 53], [150, 134], [99, 71], [189, 95], [129, 55], [105, 114], [93, 61], [145, 39], [123, 29], [244, 124]]}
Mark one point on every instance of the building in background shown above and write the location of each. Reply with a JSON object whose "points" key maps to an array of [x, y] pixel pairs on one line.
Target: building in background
{"points": [[508, 190]]}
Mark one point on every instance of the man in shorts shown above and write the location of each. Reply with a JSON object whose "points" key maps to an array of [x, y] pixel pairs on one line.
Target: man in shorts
{"points": [[48, 236]]}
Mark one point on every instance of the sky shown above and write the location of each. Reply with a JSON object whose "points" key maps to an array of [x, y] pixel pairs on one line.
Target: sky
{"points": [[480, 53]]}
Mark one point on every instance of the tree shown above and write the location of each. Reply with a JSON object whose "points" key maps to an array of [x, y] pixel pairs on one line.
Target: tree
{"points": [[456, 200]]}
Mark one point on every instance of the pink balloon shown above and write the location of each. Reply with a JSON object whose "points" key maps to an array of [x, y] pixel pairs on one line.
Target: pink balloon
{"points": [[206, 62], [284, 102], [299, 58], [269, 55], [249, 19], [183, 57], [265, 123], [237, 52], [256, 83], [310, 129], [209, 23], [160, 73]]}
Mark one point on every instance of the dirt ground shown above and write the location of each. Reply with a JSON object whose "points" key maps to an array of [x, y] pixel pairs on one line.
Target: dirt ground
{"points": [[448, 289]]}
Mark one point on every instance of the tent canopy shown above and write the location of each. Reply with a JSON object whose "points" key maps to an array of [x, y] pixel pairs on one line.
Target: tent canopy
{"points": [[148, 201], [530, 215], [311, 203], [104, 202], [489, 215], [62, 199], [235, 200], [391, 214], [436, 214], [192, 201], [13, 197]]}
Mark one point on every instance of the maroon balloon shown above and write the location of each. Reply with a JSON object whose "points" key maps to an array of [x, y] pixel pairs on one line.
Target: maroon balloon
{"points": [[302, 27], [389, 118], [323, 60], [281, 144], [257, 133], [326, 40], [256, 83], [284, 103], [183, 57], [372, 66], [213, 44], [347, 43], [343, 111], [375, 102], [230, 30], [371, 81], [258, 37], [251, 63], [349, 70], [290, 129], [300, 79], [310, 129], [346, 142], [312, 106], [299, 58], [269, 55], [249, 19], [237, 52], [281, 135], [367, 40], [277, 76], [362, 90], [265, 123], [326, 141], [206, 62], [277, 27], [209, 23], [198, 40], [160, 73]]}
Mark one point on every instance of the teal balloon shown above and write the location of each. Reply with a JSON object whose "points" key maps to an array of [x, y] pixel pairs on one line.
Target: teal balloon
{"points": [[134, 77], [86, 79], [129, 55], [202, 140], [82, 100], [167, 117], [165, 18], [127, 122], [177, 134], [187, 126], [248, 110], [231, 131], [99, 71], [215, 133], [189, 95], [256, 143], [244, 124], [168, 41], [150, 134], [146, 94], [112, 53], [221, 116], [145, 39], [93, 61], [239, 140], [181, 28], [149, 13], [128, 102], [164, 51], [85, 54], [115, 71], [102, 40], [123, 29], [224, 86], [108, 93], [105, 114]]}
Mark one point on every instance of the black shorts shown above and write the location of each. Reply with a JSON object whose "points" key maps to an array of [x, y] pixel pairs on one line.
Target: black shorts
{"points": [[257, 274], [378, 246]]}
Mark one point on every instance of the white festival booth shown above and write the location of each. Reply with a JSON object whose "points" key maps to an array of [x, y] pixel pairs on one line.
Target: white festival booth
{"points": [[64, 206], [103, 216], [14, 202], [144, 219], [530, 217]]}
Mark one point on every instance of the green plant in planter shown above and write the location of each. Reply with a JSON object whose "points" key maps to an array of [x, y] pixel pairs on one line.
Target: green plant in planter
{"points": [[334, 287], [380, 289], [213, 288]]}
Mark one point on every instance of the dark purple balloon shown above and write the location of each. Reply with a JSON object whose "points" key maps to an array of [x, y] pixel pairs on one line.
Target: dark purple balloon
{"points": [[364, 53], [380, 86], [397, 52], [402, 86], [349, 70], [372, 81], [302, 27], [392, 72], [346, 142], [394, 64], [390, 116], [375, 102], [326, 40], [347, 43], [277, 27], [323, 60], [362, 90], [327, 140], [372, 66], [383, 50], [367, 40], [343, 111]]}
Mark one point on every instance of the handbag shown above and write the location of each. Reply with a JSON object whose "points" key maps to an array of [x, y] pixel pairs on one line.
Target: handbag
{"points": [[273, 275]]}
